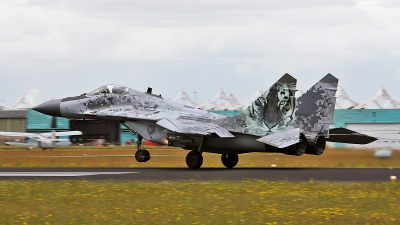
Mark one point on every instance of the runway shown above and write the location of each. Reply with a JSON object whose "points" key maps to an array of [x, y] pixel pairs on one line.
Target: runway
{"points": [[204, 174]]}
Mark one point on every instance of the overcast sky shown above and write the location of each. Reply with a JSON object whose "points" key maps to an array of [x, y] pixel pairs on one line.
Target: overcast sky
{"points": [[64, 48]]}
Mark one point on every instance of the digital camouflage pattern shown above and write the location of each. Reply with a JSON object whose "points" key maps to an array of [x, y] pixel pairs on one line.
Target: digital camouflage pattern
{"points": [[315, 108]]}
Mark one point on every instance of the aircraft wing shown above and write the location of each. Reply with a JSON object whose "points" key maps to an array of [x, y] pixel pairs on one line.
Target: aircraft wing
{"points": [[62, 133], [19, 144], [186, 126], [282, 139], [18, 134], [344, 135]]}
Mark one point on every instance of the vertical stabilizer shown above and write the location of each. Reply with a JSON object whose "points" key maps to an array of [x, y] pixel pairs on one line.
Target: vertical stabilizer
{"points": [[274, 110], [315, 107]]}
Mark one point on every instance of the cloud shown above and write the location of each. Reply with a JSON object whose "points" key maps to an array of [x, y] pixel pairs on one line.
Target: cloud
{"points": [[244, 69], [396, 74], [80, 45]]}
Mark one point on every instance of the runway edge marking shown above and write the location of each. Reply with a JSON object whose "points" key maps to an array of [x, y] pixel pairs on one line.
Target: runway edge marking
{"points": [[59, 174]]}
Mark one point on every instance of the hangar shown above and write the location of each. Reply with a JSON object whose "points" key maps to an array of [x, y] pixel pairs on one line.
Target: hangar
{"points": [[12, 121]]}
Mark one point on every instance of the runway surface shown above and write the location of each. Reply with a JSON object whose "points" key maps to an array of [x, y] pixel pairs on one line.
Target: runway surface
{"points": [[173, 174]]}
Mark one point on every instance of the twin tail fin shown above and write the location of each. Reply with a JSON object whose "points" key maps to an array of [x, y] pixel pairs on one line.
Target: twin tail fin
{"points": [[315, 108], [274, 110]]}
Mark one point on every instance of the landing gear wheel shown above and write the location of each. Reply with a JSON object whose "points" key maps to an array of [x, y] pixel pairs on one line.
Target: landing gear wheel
{"points": [[194, 160], [229, 160], [142, 156]]}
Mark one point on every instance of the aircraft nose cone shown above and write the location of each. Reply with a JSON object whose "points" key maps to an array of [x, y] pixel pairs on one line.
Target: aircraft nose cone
{"points": [[51, 108]]}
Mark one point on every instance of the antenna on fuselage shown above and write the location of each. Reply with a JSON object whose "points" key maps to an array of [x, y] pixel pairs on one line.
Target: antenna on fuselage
{"points": [[149, 90]]}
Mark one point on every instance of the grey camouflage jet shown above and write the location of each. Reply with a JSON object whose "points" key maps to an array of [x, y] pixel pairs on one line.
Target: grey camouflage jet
{"points": [[275, 122]]}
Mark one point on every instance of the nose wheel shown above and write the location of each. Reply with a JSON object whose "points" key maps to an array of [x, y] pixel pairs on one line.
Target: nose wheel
{"points": [[141, 155]]}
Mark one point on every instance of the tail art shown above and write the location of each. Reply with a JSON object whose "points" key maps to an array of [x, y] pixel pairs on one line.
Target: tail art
{"points": [[315, 108], [272, 111]]}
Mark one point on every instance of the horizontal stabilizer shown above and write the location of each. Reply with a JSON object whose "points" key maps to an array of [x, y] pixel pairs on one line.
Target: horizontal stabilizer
{"points": [[185, 126], [282, 139], [344, 135]]}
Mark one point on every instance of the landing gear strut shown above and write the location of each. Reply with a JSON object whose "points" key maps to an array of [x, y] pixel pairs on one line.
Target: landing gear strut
{"points": [[141, 155], [194, 159], [229, 160]]}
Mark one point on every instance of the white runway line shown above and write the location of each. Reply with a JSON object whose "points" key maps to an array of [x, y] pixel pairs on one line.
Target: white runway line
{"points": [[86, 156], [59, 174]]}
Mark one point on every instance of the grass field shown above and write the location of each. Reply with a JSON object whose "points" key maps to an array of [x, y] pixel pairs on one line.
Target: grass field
{"points": [[123, 156], [194, 202], [216, 202]]}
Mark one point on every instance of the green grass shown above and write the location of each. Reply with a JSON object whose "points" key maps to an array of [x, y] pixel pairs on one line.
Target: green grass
{"points": [[192, 202]]}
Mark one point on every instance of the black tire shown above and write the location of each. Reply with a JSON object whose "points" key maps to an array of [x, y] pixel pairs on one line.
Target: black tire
{"points": [[147, 154], [194, 160], [142, 156], [229, 160], [301, 147]]}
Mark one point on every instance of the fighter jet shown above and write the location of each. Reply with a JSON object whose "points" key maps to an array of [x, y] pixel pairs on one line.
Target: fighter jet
{"points": [[275, 122], [43, 140]]}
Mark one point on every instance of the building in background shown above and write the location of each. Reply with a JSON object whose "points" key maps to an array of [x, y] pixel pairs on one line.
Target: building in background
{"points": [[378, 117], [184, 99], [381, 100], [35, 122], [343, 101], [12, 121]]}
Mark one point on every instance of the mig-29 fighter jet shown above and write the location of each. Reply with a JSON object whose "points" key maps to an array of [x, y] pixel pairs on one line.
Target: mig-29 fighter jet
{"points": [[43, 140], [275, 122]]}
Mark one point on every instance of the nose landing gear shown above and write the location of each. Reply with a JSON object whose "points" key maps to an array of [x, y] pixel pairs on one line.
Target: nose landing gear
{"points": [[141, 155]]}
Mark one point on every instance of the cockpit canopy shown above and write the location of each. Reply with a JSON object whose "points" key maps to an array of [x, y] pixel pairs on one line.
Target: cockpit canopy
{"points": [[111, 88]]}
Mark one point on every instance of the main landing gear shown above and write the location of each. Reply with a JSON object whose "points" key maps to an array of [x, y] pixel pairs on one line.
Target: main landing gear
{"points": [[194, 160], [229, 160], [141, 155]]}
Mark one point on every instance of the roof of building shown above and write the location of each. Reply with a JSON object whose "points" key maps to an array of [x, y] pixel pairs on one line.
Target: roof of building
{"points": [[184, 98], [381, 100], [251, 100], [23, 103], [221, 101], [343, 101], [3, 107], [13, 114]]}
